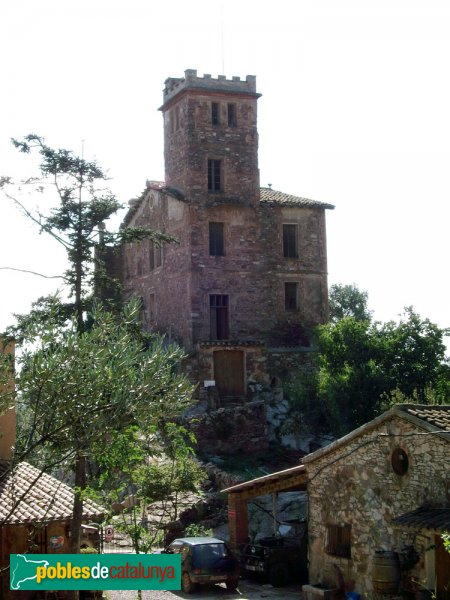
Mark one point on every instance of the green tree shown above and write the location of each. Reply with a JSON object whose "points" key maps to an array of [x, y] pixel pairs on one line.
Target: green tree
{"points": [[77, 223], [347, 301], [82, 390], [364, 367], [154, 467]]}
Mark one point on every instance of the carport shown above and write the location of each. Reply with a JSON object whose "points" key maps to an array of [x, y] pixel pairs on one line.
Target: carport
{"points": [[289, 480]]}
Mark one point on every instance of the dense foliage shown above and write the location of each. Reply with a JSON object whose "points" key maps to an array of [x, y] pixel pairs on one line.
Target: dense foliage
{"points": [[85, 374], [363, 367]]}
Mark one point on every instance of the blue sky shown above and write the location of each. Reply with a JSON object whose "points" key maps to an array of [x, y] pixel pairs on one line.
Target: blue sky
{"points": [[354, 112]]}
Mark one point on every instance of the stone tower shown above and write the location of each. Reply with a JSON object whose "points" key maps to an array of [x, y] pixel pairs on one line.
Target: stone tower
{"points": [[211, 137], [246, 282]]}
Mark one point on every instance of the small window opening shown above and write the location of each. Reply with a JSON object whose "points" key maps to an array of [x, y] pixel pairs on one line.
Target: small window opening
{"points": [[400, 461], [216, 245], [232, 115], [291, 295], [215, 113], [339, 540], [155, 255], [214, 175]]}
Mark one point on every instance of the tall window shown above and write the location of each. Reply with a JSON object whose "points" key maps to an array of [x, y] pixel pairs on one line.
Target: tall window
{"points": [[339, 540], [290, 237], [216, 245], [218, 316], [232, 115], [214, 175], [215, 120], [151, 309], [155, 255], [291, 295]]}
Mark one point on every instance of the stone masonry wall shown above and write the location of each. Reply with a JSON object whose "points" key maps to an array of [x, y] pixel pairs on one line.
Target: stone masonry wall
{"points": [[252, 272], [169, 310], [190, 138], [356, 485]]}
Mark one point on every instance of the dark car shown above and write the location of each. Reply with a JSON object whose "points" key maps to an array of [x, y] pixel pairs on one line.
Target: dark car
{"points": [[205, 560], [279, 559]]}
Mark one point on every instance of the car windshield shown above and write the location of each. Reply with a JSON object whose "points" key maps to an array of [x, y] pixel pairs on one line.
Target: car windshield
{"points": [[206, 555]]}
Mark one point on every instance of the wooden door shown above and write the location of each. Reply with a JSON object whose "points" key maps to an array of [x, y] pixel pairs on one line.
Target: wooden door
{"points": [[229, 373], [442, 571]]}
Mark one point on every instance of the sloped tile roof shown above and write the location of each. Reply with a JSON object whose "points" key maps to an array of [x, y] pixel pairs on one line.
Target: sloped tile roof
{"points": [[267, 196], [27, 494], [270, 196], [437, 416], [437, 519], [434, 419]]}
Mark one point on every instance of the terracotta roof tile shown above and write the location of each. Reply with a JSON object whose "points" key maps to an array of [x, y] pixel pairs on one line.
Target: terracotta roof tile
{"points": [[437, 416], [270, 196], [27, 494]]}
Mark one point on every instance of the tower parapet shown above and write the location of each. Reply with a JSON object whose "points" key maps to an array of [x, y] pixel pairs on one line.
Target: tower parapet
{"points": [[191, 81]]}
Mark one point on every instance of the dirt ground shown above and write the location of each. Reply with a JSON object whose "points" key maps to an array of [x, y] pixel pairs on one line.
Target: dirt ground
{"points": [[248, 590]]}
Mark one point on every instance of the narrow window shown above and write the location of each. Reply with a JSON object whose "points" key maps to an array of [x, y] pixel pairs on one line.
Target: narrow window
{"points": [[215, 113], [158, 255], [214, 175], [177, 113], [151, 255], [339, 540], [151, 309], [290, 248], [291, 295], [218, 314], [231, 115], [154, 255], [216, 245]]}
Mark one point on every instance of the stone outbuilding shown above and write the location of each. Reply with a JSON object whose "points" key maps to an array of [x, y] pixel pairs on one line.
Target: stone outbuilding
{"points": [[379, 500], [378, 504], [246, 282]]}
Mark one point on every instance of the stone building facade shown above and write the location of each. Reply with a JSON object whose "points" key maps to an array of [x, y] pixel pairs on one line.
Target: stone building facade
{"points": [[247, 277], [384, 487]]}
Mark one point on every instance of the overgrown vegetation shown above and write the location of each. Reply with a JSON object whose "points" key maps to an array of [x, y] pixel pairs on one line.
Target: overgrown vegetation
{"points": [[364, 366], [87, 374]]}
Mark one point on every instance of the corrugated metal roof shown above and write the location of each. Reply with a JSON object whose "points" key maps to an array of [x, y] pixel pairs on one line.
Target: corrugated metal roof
{"points": [[28, 494], [437, 519], [270, 196]]}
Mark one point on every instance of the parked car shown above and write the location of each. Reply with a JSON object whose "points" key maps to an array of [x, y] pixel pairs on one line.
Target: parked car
{"points": [[278, 559], [205, 560]]}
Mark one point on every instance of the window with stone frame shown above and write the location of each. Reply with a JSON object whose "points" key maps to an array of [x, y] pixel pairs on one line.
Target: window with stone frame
{"points": [[216, 239], [215, 114], [232, 121], [219, 317], [291, 295], [214, 175], [154, 255], [290, 240], [338, 540]]}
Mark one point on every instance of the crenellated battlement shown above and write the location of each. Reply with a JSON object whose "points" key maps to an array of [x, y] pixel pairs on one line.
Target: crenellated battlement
{"points": [[191, 81]]}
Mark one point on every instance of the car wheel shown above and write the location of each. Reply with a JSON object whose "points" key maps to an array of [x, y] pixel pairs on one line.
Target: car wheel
{"points": [[186, 584], [279, 575], [232, 584]]}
